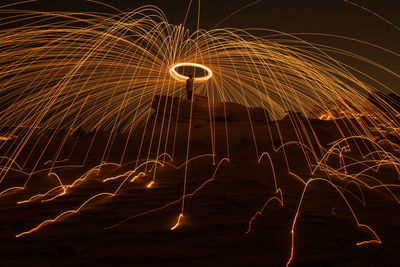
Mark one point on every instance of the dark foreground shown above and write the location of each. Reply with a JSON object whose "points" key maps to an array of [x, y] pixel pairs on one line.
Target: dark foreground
{"points": [[216, 218]]}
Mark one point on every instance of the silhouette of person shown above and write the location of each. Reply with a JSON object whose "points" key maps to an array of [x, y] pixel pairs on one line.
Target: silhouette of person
{"points": [[189, 86]]}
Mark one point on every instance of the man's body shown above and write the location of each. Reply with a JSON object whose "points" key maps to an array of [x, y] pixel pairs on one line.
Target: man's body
{"points": [[189, 86]]}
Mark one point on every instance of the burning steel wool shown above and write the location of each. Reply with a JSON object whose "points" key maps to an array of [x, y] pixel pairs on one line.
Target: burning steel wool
{"points": [[77, 95]]}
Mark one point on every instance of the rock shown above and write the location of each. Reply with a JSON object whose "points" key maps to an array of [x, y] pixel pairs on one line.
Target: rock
{"points": [[168, 106]]}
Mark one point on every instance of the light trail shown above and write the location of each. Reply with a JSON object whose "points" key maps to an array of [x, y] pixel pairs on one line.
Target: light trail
{"points": [[99, 81], [182, 78]]}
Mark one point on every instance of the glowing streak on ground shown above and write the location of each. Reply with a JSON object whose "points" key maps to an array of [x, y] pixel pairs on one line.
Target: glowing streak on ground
{"points": [[178, 222], [173, 202], [376, 239], [258, 213]]}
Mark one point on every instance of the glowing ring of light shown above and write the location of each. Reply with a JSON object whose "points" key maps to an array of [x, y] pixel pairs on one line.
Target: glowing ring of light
{"points": [[179, 77]]}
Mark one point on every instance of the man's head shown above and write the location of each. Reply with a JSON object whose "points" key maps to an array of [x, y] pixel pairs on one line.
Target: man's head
{"points": [[190, 76]]}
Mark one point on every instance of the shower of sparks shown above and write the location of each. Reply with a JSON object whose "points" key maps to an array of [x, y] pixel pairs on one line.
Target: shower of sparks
{"points": [[66, 72]]}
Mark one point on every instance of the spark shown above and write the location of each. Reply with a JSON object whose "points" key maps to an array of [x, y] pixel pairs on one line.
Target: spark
{"points": [[60, 80], [178, 222]]}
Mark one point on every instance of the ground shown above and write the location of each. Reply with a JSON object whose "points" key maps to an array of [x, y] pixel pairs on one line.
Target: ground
{"points": [[213, 231]]}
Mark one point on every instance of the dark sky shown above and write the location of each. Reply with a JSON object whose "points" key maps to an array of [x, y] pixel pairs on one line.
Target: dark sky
{"points": [[312, 16], [327, 16]]}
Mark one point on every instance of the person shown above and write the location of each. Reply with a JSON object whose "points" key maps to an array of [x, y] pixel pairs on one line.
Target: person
{"points": [[189, 86]]}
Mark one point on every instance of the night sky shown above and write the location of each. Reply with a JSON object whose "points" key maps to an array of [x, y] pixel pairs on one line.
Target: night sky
{"points": [[306, 16]]}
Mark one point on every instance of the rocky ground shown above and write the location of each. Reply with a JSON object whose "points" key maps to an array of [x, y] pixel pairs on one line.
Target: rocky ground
{"points": [[216, 218]]}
